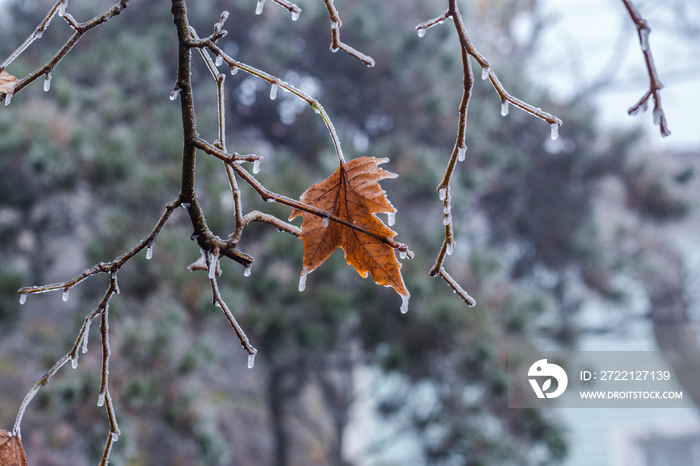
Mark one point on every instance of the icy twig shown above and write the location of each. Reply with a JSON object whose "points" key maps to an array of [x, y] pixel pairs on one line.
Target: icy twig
{"points": [[336, 43], [80, 30], [456, 288], [655, 84]]}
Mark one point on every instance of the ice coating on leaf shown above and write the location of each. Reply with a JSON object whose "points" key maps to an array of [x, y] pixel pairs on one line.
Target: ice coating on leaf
{"points": [[66, 294], [442, 193], [174, 94], [22, 298], [251, 359], [462, 153], [296, 14], [219, 60], [74, 362], [101, 399], [47, 82], [420, 31], [391, 218], [404, 302], [256, 168], [325, 222], [247, 270], [504, 107], [302, 279], [485, 73], [273, 90], [149, 252], [555, 131], [259, 7]]}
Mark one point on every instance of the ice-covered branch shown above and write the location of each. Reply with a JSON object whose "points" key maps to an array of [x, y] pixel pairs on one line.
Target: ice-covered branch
{"points": [[655, 85], [336, 43]]}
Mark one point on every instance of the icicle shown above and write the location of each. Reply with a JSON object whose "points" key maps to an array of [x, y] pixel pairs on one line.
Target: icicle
{"points": [[302, 279], [485, 73], [246, 271], [462, 153], [149, 252], [251, 359], [420, 31], [645, 106], [273, 90], [22, 298], [47, 82], [326, 221], [85, 337], [256, 167], [442, 193], [259, 7], [404, 302], [449, 248], [62, 7], [644, 39], [219, 60], [402, 254], [101, 400], [213, 259], [115, 437], [336, 24], [555, 131], [234, 70], [504, 107], [175, 93], [391, 218], [74, 362], [657, 115], [447, 220], [446, 209], [66, 294], [8, 98], [295, 15]]}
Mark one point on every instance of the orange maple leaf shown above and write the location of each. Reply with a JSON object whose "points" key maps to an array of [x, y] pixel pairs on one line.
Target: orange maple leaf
{"points": [[353, 194], [7, 82], [11, 450]]}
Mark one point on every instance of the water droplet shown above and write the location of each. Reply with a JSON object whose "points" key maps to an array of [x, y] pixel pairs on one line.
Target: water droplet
{"points": [[442, 193], [101, 399], [22, 298], [302, 279], [256, 167], [449, 248], [247, 271], [336, 24], [234, 70], [447, 220], [149, 252], [402, 254], [391, 218], [66, 294], [47, 82], [420, 31], [504, 107], [273, 90], [555, 130], [404, 302], [462, 153], [485, 71], [251, 359], [259, 7], [115, 437], [219, 60], [296, 14], [175, 93], [325, 222], [38, 33]]}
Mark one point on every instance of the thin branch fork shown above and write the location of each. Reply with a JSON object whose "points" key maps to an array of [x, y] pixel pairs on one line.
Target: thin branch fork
{"points": [[336, 43], [655, 85]]}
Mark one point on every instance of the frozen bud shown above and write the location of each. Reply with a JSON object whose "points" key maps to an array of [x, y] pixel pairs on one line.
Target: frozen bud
{"points": [[273, 90], [420, 31], [449, 248], [234, 70]]}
